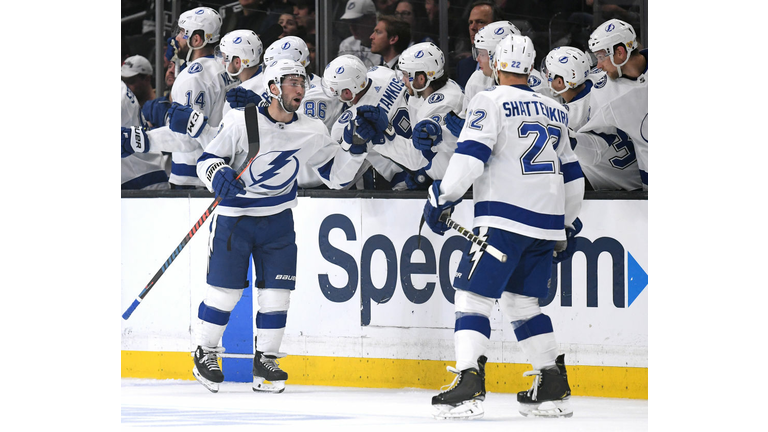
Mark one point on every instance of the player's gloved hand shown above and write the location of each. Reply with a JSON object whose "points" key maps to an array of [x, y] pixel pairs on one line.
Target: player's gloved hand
{"points": [[155, 110], [239, 97], [418, 180], [355, 144], [226, 184], [364, 129], [564, 249], [427, 134], [454, 123], [375, 115], [434, 209], [183, 119], [172, 50], [133, 140]]}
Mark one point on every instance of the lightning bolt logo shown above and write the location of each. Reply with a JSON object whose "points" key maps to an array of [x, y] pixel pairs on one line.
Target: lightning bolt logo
{"points": [[282, 159], [475, 253]]}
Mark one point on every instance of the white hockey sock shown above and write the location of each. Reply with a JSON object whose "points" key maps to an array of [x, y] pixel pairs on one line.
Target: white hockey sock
{"points": [[213, 315], [271, 318], [537, 340], [473, 327]]}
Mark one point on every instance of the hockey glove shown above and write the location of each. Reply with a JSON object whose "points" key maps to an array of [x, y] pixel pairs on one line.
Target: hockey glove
{"points": [[355, 144], [155, 110], [183, 119], [427, 134], [375, 115], [418, 180], [434, 209], [133, 139], [454, 123], [564, 249], [239, 97], [226, 184], [172, 50]]}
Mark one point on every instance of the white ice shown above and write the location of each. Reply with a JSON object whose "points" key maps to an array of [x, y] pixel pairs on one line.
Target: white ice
{"points": [[187, 404]]}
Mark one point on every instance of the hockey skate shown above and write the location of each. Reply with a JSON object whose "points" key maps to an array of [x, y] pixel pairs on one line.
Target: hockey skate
{"points": [[267, 375], [207, 370], [463, 399], [549, 396]]}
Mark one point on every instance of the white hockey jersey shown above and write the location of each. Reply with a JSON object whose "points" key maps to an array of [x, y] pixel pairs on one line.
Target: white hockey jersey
{"points": [[254, 83], [386, 90], [478, 82], [270, 181], [507, 152], [613, 166], [202, 85], [139, 170], [448, 98], [620, 106], [317, 104]]}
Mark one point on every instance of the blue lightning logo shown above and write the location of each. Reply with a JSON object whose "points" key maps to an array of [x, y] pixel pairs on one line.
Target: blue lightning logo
{"points": [[475, 253], [280, 161]]}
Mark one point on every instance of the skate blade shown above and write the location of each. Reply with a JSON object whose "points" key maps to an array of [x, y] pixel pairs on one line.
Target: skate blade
{"points": [[549, 409], [469, 410], [210, 385], [261, 385]]}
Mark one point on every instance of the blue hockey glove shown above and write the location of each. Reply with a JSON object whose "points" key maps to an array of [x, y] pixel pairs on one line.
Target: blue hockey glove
{"points": [[183, 119], [418, 180], [454, 123], [357, 145], [133, 140], [564, 249], [364, 129], [375, 115], [172, 50], [226, 184], [434, 209], [427, 134], [239, 97], [155, 110]]}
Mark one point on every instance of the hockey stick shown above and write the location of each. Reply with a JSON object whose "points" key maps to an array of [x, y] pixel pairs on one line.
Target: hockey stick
{"points": [[484, 246], [252, 130]]}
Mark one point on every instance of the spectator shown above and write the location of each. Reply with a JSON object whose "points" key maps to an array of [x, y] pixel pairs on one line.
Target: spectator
{"points": [[360, 15], [386, 7], [481, 13], [289, 25], [415, 16], [304, 12], [390, 37], [136, 73]]}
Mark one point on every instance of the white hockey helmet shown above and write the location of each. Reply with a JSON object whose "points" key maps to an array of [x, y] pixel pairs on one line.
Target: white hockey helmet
{"points": [[201, 18], [569, 63], [243, 44], [277, 70], [489, 36], [514, 54], [289, 47], [344, 72], [610, 34], [423, 57]]}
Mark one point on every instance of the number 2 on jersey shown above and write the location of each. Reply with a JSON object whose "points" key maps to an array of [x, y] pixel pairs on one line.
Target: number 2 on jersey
{"points": [[543, 136]]}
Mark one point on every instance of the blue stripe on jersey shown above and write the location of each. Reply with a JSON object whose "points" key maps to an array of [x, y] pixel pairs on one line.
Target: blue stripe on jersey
{"points": [[212, 315], [478, 323], [145, 180], [206, 156], [585, 91], [475, 149], [538, 325], [262, 202], [571, 171], [644, 177], [184, 170], [271, 320], [325, 170], [519, 214]]}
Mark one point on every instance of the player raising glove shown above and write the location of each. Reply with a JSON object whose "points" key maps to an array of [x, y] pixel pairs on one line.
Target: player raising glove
{"points": [[357, 133], [239, 97], [427, 134], [225, 183], [564, 249], [376, 117], [133, 139], [454, 123], [183, 119], [433, 209]]}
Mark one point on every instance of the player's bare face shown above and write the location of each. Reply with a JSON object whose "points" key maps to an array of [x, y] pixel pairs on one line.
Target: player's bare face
{"points": [[293, 92], [182, 41], [406, 79], [604, 63], [483, 59]]}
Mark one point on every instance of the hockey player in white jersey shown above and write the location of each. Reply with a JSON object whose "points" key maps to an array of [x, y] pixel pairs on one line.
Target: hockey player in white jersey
{"points": [[240, 53], [620, 108], [255, 217], [377, 100], [507, 153], [432, 96], [568, 72]]}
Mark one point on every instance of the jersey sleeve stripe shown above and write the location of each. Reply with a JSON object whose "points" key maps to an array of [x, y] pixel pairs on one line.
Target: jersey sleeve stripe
{"points": [[475, 149], [571, 172], [519, 214]]}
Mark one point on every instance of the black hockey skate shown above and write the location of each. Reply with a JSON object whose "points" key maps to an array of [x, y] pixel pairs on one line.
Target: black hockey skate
{"points": [[463, 398], [549, 396], [267, 375], [207, 370]]}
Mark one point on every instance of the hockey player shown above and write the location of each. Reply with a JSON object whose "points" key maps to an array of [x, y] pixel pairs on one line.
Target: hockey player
{"points": [[567, 71], [507, 152], [376, 98], [240, 52], [432, 96], [620, 108], [255, 217]]}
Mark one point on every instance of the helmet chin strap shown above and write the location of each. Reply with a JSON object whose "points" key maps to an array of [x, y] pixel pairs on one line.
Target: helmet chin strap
{"points": [[618, 66], [191, 48]]}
